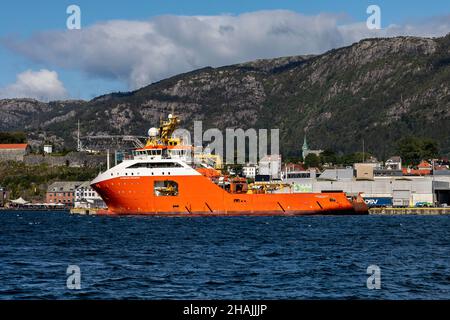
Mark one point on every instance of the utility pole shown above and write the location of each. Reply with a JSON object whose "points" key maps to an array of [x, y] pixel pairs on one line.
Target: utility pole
{"points": [[79, 146], [364, 158], [107, 159]]}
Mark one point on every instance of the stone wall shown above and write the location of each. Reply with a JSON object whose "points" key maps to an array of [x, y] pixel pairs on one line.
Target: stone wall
{"points": [[72, 159], [12, 155]]}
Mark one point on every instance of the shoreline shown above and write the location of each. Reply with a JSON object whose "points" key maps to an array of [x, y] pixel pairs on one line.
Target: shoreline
{"points": [[372, 211], [409, 211], [35, 209]]}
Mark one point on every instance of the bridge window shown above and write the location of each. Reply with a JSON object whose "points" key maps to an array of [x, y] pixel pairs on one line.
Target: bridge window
{"points": [[150, 152], [153, 152], [154, 165], [166, 188]]}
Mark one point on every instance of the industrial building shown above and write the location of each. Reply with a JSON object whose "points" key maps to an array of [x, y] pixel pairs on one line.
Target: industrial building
{"points": [[270, 166], [249, 171], [400, 191]]}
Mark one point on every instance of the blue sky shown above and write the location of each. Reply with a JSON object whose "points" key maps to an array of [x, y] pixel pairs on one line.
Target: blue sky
{"points": [[85, 78]]}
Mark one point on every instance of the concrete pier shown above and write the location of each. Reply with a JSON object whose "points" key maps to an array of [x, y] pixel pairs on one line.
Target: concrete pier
{"points": [[411, 211], [84, 211]]}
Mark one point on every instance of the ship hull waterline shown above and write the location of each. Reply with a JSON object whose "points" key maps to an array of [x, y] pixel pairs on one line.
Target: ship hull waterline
{"points": [[198, 197], [231, 214]]}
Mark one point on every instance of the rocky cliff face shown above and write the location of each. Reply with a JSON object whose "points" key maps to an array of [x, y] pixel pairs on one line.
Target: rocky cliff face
{"points": [[377, 90]]}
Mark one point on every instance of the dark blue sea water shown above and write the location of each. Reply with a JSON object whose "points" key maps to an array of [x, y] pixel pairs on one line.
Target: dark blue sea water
{"points": [[223, 258]]}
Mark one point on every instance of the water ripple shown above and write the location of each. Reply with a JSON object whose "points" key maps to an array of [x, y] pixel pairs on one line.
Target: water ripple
{"points": [[223, 258]]}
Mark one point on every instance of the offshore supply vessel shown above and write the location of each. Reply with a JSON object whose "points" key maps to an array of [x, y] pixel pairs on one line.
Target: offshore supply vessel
{"points": [[163, 179]]}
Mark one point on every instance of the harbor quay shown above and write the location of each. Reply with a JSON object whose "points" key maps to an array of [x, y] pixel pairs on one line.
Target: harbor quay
{"points": [[409, 211]]}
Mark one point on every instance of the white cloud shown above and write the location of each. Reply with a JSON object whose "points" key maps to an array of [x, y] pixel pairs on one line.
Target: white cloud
{"points": [[42, 85], [141, 52]]}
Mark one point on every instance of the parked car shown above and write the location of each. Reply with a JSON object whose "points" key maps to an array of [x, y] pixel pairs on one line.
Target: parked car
{"points": [[424, 205]]}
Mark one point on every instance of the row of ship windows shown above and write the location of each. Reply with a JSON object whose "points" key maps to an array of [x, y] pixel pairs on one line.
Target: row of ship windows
{"points": [[132, 173], [154, 165], [159, 152], [148, 152]]}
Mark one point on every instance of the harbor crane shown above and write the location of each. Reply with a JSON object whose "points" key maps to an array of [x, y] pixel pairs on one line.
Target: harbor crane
{"points": [[135, 140]]}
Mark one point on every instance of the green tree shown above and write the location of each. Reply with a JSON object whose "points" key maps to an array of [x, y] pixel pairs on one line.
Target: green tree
{"points": [[352, 158], [294, 160], [413, 149], [328, 156], [312, 160], [13, 137], [430, 149]]}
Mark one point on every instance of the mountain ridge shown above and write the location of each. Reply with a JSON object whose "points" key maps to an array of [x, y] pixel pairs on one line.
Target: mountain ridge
{"points": [[377, 89]]}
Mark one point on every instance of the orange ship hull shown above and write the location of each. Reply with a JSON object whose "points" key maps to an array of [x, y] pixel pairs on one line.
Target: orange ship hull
{"points": [[198, 196]]}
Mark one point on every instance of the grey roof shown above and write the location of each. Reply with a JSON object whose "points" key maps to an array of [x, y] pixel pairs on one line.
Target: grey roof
{"points": [[85, 185], [337, 174], [395, 159], [441, 172], [64, 186]]}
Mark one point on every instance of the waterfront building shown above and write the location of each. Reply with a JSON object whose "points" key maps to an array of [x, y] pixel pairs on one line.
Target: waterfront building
{"points": [[13, 151], [249, 171], [441, 172], [4, 196], [301, 180], [290, 167], [392, 190], [62, 192], [364, 171], [338, 174], [86, 197], [270, 166], [295, 170], [387, 173], [423, 169], [393, 163]]}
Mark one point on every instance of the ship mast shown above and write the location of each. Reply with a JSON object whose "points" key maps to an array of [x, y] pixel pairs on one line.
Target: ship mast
{"points": [[167, 128], [163, 136]]}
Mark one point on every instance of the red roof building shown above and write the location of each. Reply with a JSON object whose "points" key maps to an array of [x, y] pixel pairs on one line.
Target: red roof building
{"points": [[423, 169], [13, 151], [290, 167], [13, 146], [424, 165]]}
